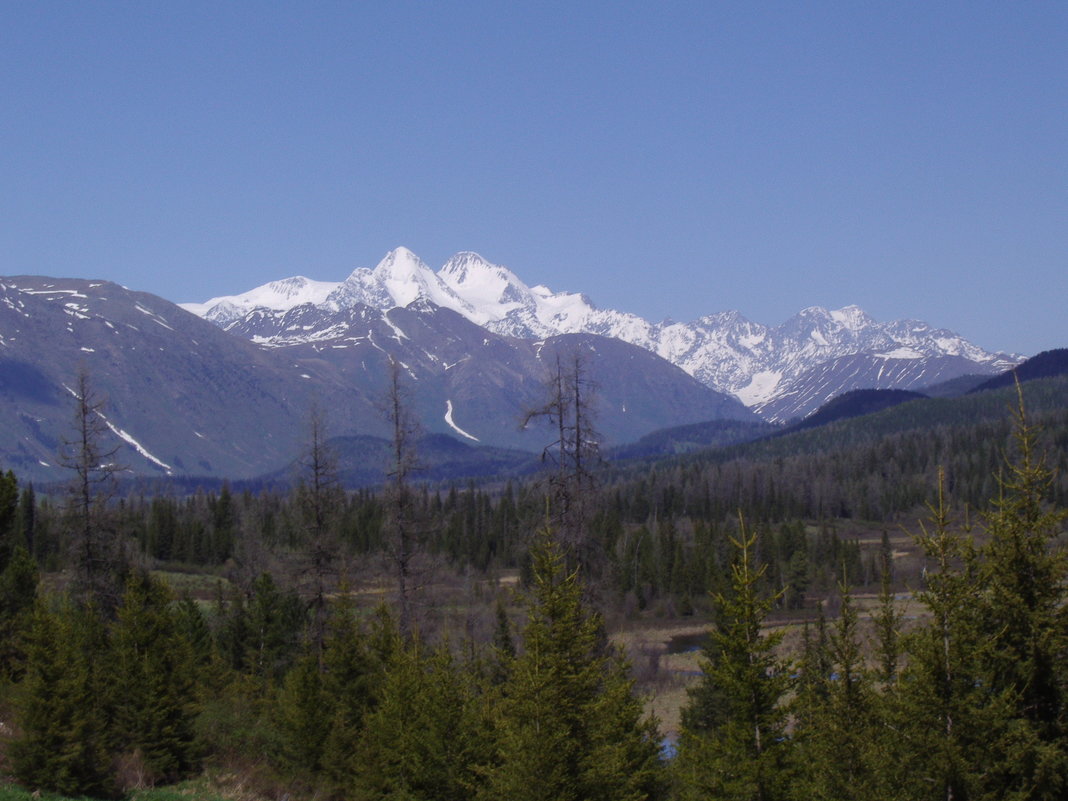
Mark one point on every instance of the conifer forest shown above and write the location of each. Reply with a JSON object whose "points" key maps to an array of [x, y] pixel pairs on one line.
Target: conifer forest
{"points": [[878, 607]]}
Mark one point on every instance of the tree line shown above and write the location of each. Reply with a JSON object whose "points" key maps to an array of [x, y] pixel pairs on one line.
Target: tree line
{"points": [[111, 681]]}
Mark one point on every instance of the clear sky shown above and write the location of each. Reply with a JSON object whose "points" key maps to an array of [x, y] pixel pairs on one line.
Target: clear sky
{"points": [[670, 159]]}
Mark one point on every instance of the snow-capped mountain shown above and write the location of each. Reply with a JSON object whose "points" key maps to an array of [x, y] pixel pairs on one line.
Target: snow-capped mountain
{"points": [[185, 397], [281, 295], [725, 351]]}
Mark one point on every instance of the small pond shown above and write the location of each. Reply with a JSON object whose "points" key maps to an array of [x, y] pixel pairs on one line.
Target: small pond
{"points": [[687, 643]]}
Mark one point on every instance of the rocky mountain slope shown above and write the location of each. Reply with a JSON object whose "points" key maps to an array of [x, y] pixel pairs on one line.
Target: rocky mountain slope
{"points": [[756, 363], [186, 397]]}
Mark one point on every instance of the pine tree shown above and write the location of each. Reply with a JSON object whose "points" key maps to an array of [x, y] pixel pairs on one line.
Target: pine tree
{"points": [[64, 743], [569, 726], [18, 593], [1022, 612], [153, 683], [733, 744]]}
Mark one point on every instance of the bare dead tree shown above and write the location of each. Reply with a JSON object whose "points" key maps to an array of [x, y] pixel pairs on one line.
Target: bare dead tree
{"points": [[89, 452], [319, 497], [402, 540], [574, 453]]}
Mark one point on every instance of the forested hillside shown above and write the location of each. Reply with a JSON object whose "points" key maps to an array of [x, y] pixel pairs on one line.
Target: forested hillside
{"points": [[453, 642]]}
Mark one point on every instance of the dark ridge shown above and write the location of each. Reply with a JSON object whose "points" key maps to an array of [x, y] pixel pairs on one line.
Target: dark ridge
{"points": [[954, 387], [855, 403], [1047, 364], [684, 439]]}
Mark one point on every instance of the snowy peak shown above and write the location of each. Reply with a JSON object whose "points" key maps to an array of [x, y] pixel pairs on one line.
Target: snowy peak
{"points": [[491, 290], [282, 295], [406, 278], [401, 278], [725, 351]]}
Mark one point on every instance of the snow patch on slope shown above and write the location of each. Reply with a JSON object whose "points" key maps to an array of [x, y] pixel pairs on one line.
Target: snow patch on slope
{"points": [[456, 428]]}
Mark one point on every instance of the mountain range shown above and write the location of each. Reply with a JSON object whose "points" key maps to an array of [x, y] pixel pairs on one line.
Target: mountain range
{"points": [[225, 388], [185, 397], [781, 372]]}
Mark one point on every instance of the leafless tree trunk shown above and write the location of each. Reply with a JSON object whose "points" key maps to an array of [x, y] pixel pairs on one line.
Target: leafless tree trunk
{"points": [[320, 497], [97, 552], [572, 485], [402, 533]]}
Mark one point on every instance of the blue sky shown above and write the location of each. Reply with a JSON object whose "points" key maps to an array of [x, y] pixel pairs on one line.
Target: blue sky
{"points": [[670, 159]]}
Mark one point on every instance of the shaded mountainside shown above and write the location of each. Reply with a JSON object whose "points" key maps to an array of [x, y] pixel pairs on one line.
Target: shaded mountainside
{"points": [[182, 395], [185, 397], [1047, 364], [818, 385], [364, 461], [690, 438], [856, 403], [873, 467]]}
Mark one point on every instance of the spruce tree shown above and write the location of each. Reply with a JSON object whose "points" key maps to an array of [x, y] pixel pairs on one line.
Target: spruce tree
{"points": [[355, 661], [63, 744], [304, 715], [835, 728], [422, 741], [1024, 577], [569, 726], [154, 683], [18, 593], [733, 743], [944, 714]]}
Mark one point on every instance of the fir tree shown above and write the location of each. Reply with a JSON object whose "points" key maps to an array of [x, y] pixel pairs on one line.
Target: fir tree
{"points": [[154, 683], [1022, 612], [569, 726], [733, 744], [64, 743]]}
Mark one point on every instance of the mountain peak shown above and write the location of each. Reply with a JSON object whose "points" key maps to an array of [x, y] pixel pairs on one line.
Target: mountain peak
{"points": [[725, 350], [492, 290]]}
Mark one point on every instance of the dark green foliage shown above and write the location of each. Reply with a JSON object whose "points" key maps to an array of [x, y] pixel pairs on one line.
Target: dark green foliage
{"points": [[355, 663], [304, 716], [153, 683], [946, 714], [733, 744], [64, 744], [1021, 612], [275, 619], [569, 726], [9, 505], [422, 740], [18, 592], [503, 647], [835, 727]]}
